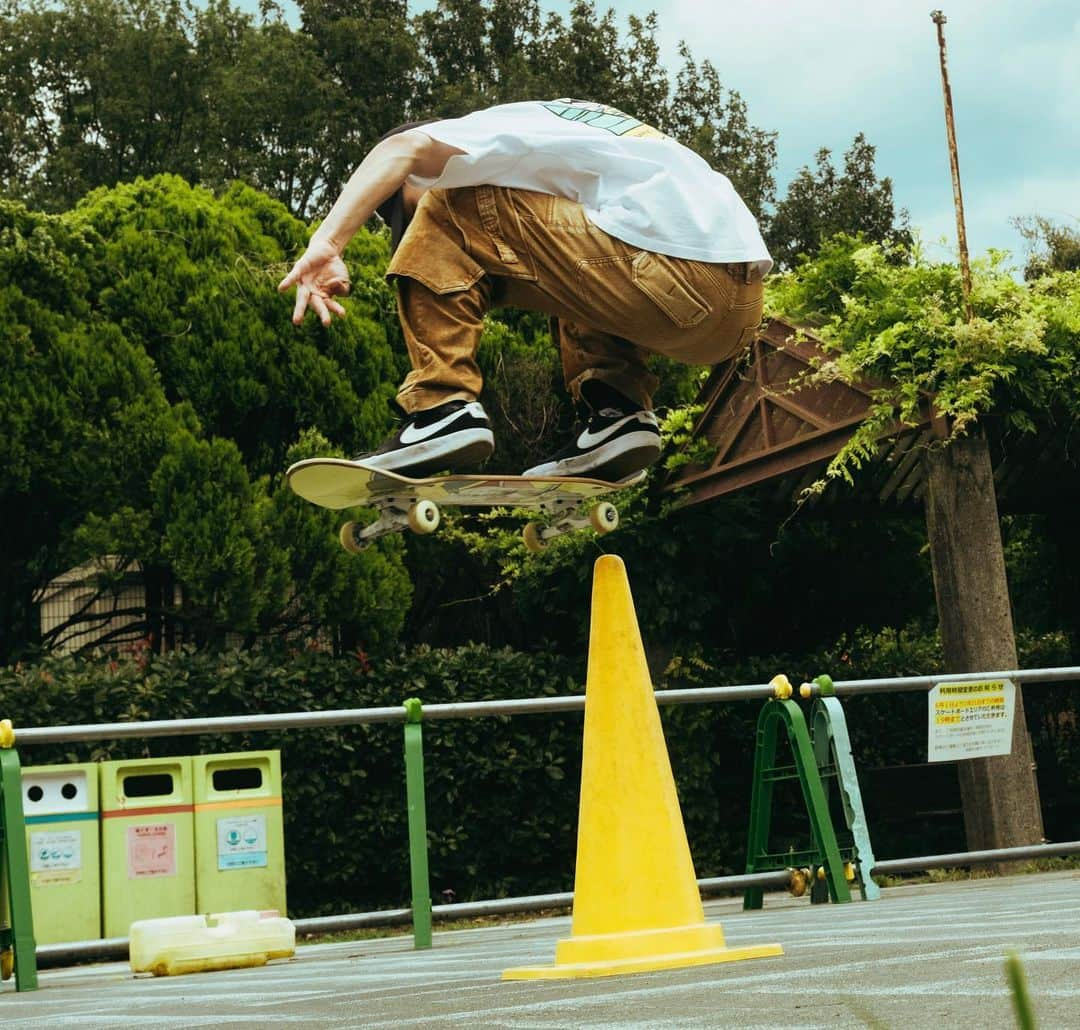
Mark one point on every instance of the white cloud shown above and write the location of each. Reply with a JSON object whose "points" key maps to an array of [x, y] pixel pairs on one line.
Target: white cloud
{"points": [[819, 73]]}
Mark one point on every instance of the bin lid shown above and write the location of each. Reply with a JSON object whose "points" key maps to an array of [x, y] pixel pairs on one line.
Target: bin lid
{"points": [[59, 790], [240, 775], [128, 786]]}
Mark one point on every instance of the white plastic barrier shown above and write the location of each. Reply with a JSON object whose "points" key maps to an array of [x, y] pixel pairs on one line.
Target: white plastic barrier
{"points": [[197, 944]]}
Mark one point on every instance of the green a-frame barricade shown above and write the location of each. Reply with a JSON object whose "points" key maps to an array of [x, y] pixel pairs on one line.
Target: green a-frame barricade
{"points": [[816, 762], [17, 948], [832, 750]]}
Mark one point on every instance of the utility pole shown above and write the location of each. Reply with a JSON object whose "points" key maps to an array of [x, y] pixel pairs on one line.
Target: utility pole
{"points": [[1000, 795], [938, 18]]}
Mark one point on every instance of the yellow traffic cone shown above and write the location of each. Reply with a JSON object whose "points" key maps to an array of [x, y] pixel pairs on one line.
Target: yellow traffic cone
{"points": [[636, 901]]}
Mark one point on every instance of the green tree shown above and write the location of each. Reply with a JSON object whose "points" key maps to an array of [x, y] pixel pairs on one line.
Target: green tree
{"points": [[155, 392], [210, 520], [713, 120], [825, 201], [82, 411], [364, 64], [105, 90], [889, 316], [1053, 247], [193, 278], [264, 109]]}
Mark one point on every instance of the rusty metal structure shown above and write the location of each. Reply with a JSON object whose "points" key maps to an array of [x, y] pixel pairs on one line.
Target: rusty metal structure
{"points": [[777, 435]]}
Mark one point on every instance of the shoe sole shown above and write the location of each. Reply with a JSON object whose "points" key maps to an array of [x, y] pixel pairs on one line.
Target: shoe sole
{"points": [[610, 463], [469, 447]]}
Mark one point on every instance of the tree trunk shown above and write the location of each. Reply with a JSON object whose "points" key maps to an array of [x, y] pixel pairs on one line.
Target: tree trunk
{"points": [[1000, 795]]}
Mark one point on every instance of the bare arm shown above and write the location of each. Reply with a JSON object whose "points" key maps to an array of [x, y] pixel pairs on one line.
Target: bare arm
{"points": [[320, 274], [380, 175]]}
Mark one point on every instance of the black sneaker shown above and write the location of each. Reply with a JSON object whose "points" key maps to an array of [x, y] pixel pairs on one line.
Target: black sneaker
{"points": [[615, 442], [450, 436]]}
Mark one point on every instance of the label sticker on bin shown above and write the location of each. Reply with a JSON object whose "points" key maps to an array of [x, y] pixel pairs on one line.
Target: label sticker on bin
{"points": [[241, 842], [55, 858], [151, 850]]}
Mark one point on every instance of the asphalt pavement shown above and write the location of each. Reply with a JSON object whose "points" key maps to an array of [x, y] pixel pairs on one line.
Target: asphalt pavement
{"points": [[928, 956]]}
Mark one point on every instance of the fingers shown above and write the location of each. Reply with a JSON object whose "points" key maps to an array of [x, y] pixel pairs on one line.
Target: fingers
{"points": [[292, 278], [318, 305], [323, 306], [318, 289], [303, 295]]}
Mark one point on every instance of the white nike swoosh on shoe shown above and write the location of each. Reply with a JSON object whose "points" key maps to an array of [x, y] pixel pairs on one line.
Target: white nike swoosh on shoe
{"points": [[590, 439], [412, 434]]}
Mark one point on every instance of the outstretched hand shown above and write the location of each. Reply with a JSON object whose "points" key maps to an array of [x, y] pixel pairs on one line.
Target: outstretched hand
{"points": [[319, 276]]}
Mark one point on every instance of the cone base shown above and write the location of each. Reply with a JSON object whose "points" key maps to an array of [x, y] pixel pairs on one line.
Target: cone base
{"points": [[642, 964]]}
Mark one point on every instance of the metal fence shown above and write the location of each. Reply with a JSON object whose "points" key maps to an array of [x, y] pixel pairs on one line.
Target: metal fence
{"points": [[58, 954]]}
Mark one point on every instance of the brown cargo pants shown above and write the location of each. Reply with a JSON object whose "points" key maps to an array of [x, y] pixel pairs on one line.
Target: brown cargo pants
{"points": [[473, 249]]}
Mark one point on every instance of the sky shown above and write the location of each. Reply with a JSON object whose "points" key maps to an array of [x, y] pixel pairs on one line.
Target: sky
{"points": [[818, 73]]}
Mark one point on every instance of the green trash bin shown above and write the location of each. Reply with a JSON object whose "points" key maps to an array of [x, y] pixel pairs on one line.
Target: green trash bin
{"points": [[60, 806], [147, 841], [239, 837]]}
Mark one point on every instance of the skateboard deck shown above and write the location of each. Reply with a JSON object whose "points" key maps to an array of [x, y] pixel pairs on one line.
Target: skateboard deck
{"points": [[567, 503]]}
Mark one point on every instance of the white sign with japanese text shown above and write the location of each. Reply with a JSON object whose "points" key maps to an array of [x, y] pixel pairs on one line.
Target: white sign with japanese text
{"points": [[971, 720]]}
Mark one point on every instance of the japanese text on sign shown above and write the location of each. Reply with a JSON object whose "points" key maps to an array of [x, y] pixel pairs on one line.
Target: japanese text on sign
{"points": [[970, 720]]}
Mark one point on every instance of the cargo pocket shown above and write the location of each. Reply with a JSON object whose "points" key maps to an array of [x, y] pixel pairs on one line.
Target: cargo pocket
{"points": [[658, 278], [432, 252]]}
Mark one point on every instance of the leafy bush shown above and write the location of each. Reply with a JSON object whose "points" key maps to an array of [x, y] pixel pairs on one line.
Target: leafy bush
{"points": [[502, 793]]}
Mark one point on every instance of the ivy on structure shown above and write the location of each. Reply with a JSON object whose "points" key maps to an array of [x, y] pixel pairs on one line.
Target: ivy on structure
{"points": [[892, 320]]}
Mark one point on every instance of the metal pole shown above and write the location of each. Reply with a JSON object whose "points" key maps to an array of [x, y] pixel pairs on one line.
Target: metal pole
{"points": [[938, 18], [960, 858], [487, 709], [417, 807], [52, 955], [905, 683]]}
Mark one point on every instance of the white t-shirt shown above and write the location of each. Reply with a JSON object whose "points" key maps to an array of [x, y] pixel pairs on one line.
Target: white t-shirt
{"points": [[634, 182]]}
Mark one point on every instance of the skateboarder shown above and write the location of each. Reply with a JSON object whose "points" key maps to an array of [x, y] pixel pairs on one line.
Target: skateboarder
{"points": [[629, 240]]}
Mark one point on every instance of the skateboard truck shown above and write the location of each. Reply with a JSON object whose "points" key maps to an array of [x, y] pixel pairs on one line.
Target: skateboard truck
{"points": [[422, 517], [395, 514], [603, 517]]}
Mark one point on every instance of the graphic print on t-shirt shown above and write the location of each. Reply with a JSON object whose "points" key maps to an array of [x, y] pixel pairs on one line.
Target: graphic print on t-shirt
{"points": [[600, 116]]}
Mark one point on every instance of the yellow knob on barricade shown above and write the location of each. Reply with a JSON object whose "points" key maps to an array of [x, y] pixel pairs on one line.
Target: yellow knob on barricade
{"points": [[7, 734], [800, 880], [781, 687]]}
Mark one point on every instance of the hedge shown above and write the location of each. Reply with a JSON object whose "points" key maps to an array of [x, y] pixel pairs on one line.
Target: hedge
{"points": [[502, 792]]}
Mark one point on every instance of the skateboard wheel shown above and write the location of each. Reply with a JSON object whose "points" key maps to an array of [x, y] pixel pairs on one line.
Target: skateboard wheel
{"points": [[424, 517], [349, 540], [533, 540], [7, 964], [604, 517]]}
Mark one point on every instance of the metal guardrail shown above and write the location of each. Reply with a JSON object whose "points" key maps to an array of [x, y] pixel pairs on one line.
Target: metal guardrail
{"points": [[50, 955], [486, 709], [111, 948]]}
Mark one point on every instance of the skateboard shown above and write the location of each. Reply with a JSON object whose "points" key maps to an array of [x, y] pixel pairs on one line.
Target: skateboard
{"points": [[567, 503]]}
